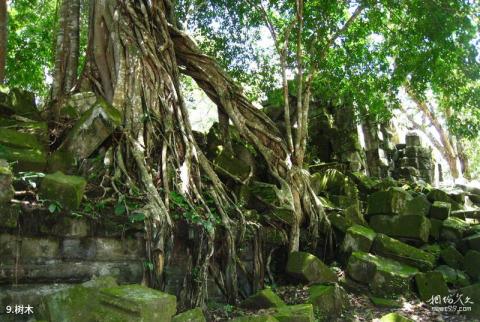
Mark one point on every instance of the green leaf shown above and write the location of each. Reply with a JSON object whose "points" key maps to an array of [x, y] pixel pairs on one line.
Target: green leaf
{"points": [[137, 217], [53, 207], [120, 208]]}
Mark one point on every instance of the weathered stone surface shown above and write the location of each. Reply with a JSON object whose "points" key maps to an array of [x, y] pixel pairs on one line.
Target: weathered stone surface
{"points": [[194, 315], [295, 313], [392, 201], [413, 140], [430, 284], [354, 214], [473, 292], [8, 249], [473, 241], [440, 210], [24, 159], [411, 227], [472, 264], [34, 249], [6, 179], [9, 215], [115, 249], [78, 104], [358, 238], [435, 228], [67, 190], [134, 303], [18, 102], [75, 304], [268, 198], [308, 268], [440, 195], [63, 161], [419, 206], [453, 277], [340, 222], [327, 300], [384, 276], [92, 129], [263, 299], [233, 167], [391, 248], [19, 140], [453, 229], [452, 257], [433, 249], [394, 317]]}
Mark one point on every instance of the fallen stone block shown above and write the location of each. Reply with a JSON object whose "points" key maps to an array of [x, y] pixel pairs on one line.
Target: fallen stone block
{"points": [[391, 248], [453, 277], [328, 300], [358, 238], [453, 229], [67, 190], [472, 264], [430, 284], [92, 129], [472, 292], [473, 241], [230, 165], [263, 299], [409, 227], [134, 303], [269, 198], [339, 222], [18, 102], [440, 195], [24, 160], [194, 315], [435, 228], [390, 202], [440, 210], [452, 257], [419, 206], [295, 313], [306, 267]]}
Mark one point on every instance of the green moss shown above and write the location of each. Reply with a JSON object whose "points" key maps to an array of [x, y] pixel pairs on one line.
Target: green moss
{"points": [[473, 292], [452, 276], [473, 241], [19, 140], [358, 238], [263, 299], [327, 300], [471, 264], [67, 190], [453, 229], [440, 210], [452, 257], [404, 253], [419, 206], [411, 227], [384, 302], [340, 222], [430, 284], [229, 165], [24, 159], [295, 313], [392, 201], [308, 268]]}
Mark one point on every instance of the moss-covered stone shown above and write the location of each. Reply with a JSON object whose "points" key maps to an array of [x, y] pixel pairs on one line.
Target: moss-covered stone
{"points": [[363, 267], [6, 180], [391, 248], [453, 277], [92, 129], [263, 299], [354, 214], [295, 313], [306, 267], [394, 317], [63, 161], [255, 318], [327, 300], [389, 283], [270, 199], [233, 167], [409, 226], [75, 304], [67, 190], [358, 238], [20, 140], [19, 102], [472, 264], [194, 315], [473, 292], [473, 241], [453, 229], [392, 201], [419, 206], [339, 222], [385, 302], [430, 284], [440, 195], [452, 257], [435, 228], [440, 210], [9, 215], [24, 159], [131, 303]]}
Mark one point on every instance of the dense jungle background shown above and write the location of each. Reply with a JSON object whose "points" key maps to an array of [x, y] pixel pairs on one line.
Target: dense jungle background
{"points": [[251, 160]]}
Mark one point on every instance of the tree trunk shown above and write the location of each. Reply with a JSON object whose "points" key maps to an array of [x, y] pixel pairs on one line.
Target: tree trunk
{"points": [[3, 39], [462, 156], [132, 64], [67, 52]]}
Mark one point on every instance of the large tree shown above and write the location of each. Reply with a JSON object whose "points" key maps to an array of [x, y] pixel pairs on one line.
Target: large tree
{"points": [[3, 39]]}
